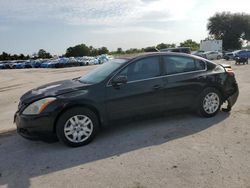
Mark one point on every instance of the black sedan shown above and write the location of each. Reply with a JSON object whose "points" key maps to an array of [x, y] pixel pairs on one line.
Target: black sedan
{"points": [[74, 110]]}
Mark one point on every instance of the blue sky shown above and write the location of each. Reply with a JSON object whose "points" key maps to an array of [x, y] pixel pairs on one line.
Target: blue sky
{"points": [[29, 25]]}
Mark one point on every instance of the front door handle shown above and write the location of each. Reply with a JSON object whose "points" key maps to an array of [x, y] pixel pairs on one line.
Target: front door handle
{"points": [[156, 87], [201, 77]]}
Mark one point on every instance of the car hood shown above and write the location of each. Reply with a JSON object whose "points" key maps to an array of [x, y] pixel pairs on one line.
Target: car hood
{"points": [[53, 89]]}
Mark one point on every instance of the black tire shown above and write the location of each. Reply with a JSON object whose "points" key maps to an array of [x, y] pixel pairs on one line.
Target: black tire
{"points": [[61, 123], [218, 57], [200, 107]]}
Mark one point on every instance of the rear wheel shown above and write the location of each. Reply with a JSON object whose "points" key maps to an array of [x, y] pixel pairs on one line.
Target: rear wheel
{"points": [[209, 102], [77, 127]]}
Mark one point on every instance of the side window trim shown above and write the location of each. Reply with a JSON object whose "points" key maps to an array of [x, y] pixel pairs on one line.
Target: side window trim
{"points": [[162, 72]]}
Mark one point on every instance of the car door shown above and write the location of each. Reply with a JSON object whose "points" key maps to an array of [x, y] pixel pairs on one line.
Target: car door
{"points": [[141, 94], [248, 53], [209, 55], [184, 80], [213, 55]]}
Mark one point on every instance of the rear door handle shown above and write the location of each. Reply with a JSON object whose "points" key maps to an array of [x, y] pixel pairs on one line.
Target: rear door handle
{"points": [[156, 87], [201, 77]]}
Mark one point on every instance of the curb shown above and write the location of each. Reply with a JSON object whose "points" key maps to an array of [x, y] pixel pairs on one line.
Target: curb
{"points": [[8, 132]]}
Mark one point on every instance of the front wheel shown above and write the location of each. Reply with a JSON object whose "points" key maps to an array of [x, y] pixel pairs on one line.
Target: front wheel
{"points": [[209, 102], [77, 127]]}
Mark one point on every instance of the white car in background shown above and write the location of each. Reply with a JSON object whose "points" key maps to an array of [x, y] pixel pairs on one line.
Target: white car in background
{"points": [[211, 55]]}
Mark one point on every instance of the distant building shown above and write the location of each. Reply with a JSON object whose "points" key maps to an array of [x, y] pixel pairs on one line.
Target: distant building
{"points": [[211, 45]]}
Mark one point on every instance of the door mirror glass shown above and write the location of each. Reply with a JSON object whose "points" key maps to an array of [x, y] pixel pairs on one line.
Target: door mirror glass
{"points": [[119, 80]]}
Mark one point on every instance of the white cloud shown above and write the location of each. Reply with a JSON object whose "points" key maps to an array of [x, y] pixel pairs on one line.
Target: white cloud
{"points": [[114, 12], [109, 12], [140, 22], [130, 29], [72, 12]]}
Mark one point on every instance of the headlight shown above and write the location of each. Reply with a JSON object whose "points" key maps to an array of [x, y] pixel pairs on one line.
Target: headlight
{"points": [[38, 106]]}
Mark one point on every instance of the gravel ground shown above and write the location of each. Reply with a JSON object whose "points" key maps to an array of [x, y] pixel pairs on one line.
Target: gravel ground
{"points": [[181, 150]]}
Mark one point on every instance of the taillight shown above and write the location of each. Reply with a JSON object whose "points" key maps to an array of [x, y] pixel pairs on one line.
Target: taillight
{"points": [[230, 71]]}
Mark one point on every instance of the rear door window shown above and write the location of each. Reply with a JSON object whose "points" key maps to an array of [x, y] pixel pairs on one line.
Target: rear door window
{"points": [[179, 64], [200, 65]]}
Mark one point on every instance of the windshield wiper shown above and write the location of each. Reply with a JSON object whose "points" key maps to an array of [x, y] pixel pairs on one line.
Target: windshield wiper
{"points": [[76, 79]]}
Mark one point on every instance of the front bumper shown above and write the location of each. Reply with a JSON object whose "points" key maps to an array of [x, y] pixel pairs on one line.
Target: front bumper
{"points": [[35, 127]]}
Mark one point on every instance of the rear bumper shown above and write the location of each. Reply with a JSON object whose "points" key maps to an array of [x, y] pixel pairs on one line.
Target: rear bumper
{"points": [[233, 98], [241, 59]]}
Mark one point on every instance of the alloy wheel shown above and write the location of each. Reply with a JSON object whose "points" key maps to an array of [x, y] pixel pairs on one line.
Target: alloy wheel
{"points": [[78, 128], [211, 103]]}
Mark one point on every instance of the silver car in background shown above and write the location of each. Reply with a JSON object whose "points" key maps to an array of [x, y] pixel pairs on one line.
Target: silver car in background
{"points": [[211, 55]]}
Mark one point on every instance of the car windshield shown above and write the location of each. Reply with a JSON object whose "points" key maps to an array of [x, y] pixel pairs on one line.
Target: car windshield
{"points": [[237, 51], [102, 71]]}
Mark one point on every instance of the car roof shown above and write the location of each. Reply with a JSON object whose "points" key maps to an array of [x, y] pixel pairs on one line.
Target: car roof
{"points": [[148, 54], [209, 51]]}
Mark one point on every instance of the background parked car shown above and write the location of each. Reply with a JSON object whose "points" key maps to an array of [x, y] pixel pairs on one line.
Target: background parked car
{"points": [[242, 53], [93, 61], [72, 62], [55, 62], [228, 56], [19, 64], [8, 64], [179, 50], [198, 53], [1, 65], [62, 62], [49, 64], [211, 55], [242, 56], [29, 64]]}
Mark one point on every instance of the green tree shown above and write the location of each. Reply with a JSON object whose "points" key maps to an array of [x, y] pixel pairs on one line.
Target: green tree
{"points": [[133, 51], [230, 28], [119, 51], [4, 56], [21, 57], [14, 57], [94, 52], [150, 49], [43, 54], [191, 44], [103, 50], [78, 51], [164, 45]]}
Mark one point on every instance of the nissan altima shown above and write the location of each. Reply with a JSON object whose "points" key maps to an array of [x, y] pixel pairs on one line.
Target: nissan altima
{"points": [[74, 110]]}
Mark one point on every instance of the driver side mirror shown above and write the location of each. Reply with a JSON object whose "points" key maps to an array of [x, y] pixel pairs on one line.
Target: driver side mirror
{"points": [[119, 80]]}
